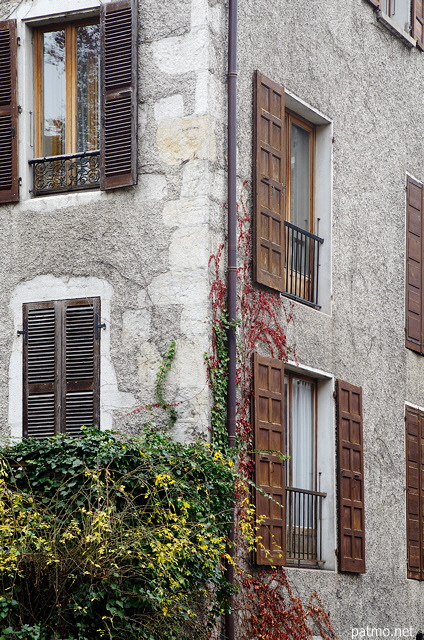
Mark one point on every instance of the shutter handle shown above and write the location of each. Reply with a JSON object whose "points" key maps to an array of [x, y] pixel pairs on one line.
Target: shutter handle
{"points": [[24, 332]]}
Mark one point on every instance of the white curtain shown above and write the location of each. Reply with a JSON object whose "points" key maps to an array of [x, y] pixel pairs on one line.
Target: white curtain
{"points": [[302, 455]]}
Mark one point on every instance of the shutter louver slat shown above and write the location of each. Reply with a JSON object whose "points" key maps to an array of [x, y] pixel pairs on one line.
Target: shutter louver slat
{"points": [[269, 183], [118, 148], [350, 478], [414, 302], [79, 411], [41, 416], [9, 183], [79, 343], [414, 493], [268, 415]]}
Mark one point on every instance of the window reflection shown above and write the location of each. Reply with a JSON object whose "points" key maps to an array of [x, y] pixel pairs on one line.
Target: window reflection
{"points": [[88, 51], [54, 93]]}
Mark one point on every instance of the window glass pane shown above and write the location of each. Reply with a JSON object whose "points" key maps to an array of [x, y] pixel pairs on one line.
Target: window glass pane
{"points": [[54, 93], [300, 177], [302, 454], [88, 52]]}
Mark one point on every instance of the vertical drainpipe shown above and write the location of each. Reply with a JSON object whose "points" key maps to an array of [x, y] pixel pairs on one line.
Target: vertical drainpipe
{"points": [[232, 265]]}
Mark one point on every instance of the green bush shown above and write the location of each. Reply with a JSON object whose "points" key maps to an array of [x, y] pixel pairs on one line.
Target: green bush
{"points": [[103, 536]]}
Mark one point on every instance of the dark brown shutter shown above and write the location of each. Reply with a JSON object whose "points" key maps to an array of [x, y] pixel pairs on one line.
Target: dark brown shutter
{"points": [[268, 182], [414, 303], [350, 478], [118, 142], [81, 357], [418, 22], [61, 373], [39, 370], [268, 414], [9, 179], [375, 3], [414, 492]]}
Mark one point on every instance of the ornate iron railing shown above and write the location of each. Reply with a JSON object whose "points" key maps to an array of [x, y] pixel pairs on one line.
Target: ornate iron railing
{"points": [[72, 172], [302, 263], [304, 526]]}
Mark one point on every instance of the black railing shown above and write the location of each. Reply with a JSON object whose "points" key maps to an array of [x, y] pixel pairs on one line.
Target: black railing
{"points": [[72, 172], [302, 263], [304, 526]]}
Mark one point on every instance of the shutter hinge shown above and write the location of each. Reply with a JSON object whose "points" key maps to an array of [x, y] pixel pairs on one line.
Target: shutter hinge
{"points": [[98, 325], [24, 332], [334, 394], [18, 41], [19, 108], [13, 130]]}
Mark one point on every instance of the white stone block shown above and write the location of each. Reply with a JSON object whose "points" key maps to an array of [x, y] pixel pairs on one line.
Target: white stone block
{"points": [[168, 108], [181, 54], [187, 211], [188, 249], [195, 179], [189, 287], [185, 139]]}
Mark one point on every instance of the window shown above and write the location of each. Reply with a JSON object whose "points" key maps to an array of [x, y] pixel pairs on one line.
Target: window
{"points": [[414, 304], [414, 422], [84, 102], [405, 18], [61, 368], [291, 203], [291, 416], [399, 11]]}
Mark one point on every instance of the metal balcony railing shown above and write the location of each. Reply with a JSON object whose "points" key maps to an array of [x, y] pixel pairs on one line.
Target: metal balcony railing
{"points": [[72, 172], [304, 526], [302, 263]]}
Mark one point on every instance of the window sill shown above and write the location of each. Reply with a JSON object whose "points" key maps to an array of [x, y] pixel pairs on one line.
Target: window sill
{"points": [[396, 30]]}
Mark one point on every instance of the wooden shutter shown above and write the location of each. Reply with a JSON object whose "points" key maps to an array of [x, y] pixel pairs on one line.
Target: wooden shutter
{"points": [[269, 182], [414, 303], [61, 370], [414, 492], [118, 139], [418, 22], [375, 3], [350, 478], [268, 417], [82, 359], [9, 179]]}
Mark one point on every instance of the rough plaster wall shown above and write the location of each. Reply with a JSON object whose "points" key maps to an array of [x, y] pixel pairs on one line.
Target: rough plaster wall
{"points": [[341, 61], [151, 242]]}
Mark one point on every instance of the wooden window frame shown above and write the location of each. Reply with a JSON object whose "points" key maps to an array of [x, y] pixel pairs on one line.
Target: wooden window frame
{"points": [[70, 29], [293, 118], [289, 428], [60, 386]]}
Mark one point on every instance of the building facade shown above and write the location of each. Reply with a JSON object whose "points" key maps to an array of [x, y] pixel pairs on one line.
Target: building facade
{"points": [[113, 169]]}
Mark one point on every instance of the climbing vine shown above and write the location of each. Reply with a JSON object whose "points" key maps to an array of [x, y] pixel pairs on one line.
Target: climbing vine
{"points": [[270, 609]]}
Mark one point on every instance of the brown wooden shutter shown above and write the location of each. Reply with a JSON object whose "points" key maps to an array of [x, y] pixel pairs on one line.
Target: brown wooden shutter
{"points": [[118, 140], [268, 182], [61, 370], [375, 3], [268, 417], [414, 303], [9, 178], [418, 22], [350, 478], [414, 492], [82, 360]]}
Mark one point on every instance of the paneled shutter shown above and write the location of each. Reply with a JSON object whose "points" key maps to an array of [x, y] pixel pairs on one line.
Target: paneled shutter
{"points": [[350, 478], [61, 366], [414, 303], [9, 179], [268, 417], [118, 143], [414, 492], [418, 23], [81, 355], [269, 182], [40, 370]]}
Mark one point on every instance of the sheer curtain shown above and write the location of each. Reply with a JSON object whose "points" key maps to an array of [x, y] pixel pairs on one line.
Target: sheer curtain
{"points": [[302, 461]]}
